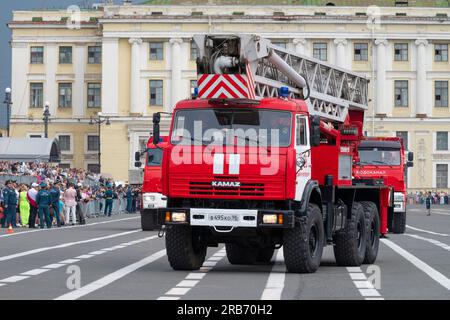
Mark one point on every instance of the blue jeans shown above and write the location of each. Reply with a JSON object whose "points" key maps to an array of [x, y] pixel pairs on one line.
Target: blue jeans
{"points": [[45, 211], [108, 207]]}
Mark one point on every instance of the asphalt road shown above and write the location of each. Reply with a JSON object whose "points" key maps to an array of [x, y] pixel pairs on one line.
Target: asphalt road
{"points": [[113, 259]]}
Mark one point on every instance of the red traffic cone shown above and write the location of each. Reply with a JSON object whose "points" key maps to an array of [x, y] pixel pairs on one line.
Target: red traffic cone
{"points": [[10, 229]]}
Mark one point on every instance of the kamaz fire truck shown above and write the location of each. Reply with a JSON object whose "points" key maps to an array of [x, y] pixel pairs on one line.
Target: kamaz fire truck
{"points": [[384, 158], [290, 185]]}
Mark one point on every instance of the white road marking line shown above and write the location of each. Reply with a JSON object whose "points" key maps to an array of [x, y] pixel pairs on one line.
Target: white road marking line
{"points": [[374, 298], [354, 269], [65, 245], [34, 272], [275, 283], [364, 286], [214, 258], [54, 266], [432, 273], [188, 283], [68, 227], [369, 292], [195, 276], [192, 279], [435, 242], [110, 278], [2, 284], [95, 253], [84, 256], [14, 279], [178, 291], [428, 231], [168, 298], [357, 276], [68, 261]]}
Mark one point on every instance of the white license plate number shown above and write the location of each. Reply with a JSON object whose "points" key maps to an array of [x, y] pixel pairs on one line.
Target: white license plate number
{"points": [[224, 217]]}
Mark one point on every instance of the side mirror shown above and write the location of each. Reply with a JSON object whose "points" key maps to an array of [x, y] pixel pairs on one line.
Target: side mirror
{"points": [[410, 156], [409, 164], [137, 156], [315, 131], [138, 164], [156, 129]]}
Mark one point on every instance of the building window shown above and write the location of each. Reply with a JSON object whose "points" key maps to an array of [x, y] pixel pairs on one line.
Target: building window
{"points": [[401, 93], [156, 92], [35, 136], [361, 51], [93, 168], [94, 95], [37, 55], [320, 51], [65, 95], [36, 95], [401, 52], [442, 176], [65, 55], [441, 52], [442, 141], [64, 143], [404, 136], [94, 55], [194, 51], [279, 43], [93, 143], [156, 51], [441, 93]]}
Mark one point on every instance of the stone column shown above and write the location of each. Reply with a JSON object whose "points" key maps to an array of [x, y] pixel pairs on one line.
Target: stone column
{"points": [[340, 51], [380, 98], [135, 106], [300, 45], [176, 84], [19, 80], [421, 84], [50, 87], [79, 99], [110, 76]]}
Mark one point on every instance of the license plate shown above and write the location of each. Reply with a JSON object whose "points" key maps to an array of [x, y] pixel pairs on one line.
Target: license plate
{"points": [[224, 217], [150, 205]]}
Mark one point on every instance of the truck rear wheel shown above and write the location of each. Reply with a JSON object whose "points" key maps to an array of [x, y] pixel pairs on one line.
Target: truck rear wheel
{"points": [[303, 245], [373, 231], [186, 249], [350, 243], [265, 255], [148, 220], [399, 222], [241, 254]]}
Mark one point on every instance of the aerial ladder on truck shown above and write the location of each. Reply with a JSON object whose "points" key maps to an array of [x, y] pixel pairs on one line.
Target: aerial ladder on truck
{"points": [[318, 202]]}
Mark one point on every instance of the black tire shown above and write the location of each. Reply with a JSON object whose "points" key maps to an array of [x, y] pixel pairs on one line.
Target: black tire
{"points": [[148, 220], [399, 222], [373, 231], [265, 255], [303, 245], [186, 249], [350, 243], [240, 254]]}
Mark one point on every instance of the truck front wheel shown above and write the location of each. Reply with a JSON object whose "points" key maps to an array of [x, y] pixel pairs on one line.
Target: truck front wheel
{"points": [[350, 243], [373, 231], [399, 222], [241, 254], [303, 245], [186, 248]]}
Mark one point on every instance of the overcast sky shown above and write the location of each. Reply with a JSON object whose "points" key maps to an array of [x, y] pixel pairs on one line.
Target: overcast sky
{"points": [[6, 8]]}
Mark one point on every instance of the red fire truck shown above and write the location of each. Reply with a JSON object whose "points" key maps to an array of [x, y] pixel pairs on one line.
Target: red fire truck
{"points": [[152, 198], [384, 158], [289, 184]]}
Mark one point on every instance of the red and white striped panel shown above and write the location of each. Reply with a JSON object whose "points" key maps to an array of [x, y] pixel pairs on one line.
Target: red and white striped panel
{"points": [[224, 86]]}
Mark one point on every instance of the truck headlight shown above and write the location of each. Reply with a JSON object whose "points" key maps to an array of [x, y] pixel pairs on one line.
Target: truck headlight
{"points": [[270, 219], [149, 198], [178, 217]]}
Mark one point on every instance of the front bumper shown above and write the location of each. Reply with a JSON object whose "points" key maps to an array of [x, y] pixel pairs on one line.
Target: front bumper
{"points": [[153, 200], [228, 218]]}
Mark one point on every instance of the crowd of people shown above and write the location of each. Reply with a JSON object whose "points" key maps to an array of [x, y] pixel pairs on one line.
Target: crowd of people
{"points": [[57, 196], [435, 197]]}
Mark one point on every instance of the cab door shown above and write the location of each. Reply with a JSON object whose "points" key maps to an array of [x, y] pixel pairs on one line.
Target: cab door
{"points": [[303, 155]]}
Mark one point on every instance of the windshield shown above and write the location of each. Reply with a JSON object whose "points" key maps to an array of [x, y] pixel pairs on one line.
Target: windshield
{"points": [[380, 157], [154, 157], [232, 127]]}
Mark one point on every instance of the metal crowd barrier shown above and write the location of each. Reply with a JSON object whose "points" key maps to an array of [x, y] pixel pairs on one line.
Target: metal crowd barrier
{"points": [[96, 208], [21, 179]]}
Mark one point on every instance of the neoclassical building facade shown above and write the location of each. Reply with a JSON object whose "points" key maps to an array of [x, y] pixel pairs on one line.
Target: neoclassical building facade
{"points": [[129, 61]]}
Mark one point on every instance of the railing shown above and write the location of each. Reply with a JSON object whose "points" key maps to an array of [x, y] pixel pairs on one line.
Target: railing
{"points": [[21, 179], [96, 208]]}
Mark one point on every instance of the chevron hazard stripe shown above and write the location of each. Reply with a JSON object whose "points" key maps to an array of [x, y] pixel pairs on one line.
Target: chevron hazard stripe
{"points": [[223, 86]]}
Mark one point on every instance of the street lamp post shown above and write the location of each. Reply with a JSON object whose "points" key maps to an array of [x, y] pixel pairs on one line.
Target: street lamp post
{"points": [[46, 118], [8, 109], [99, 121]]}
